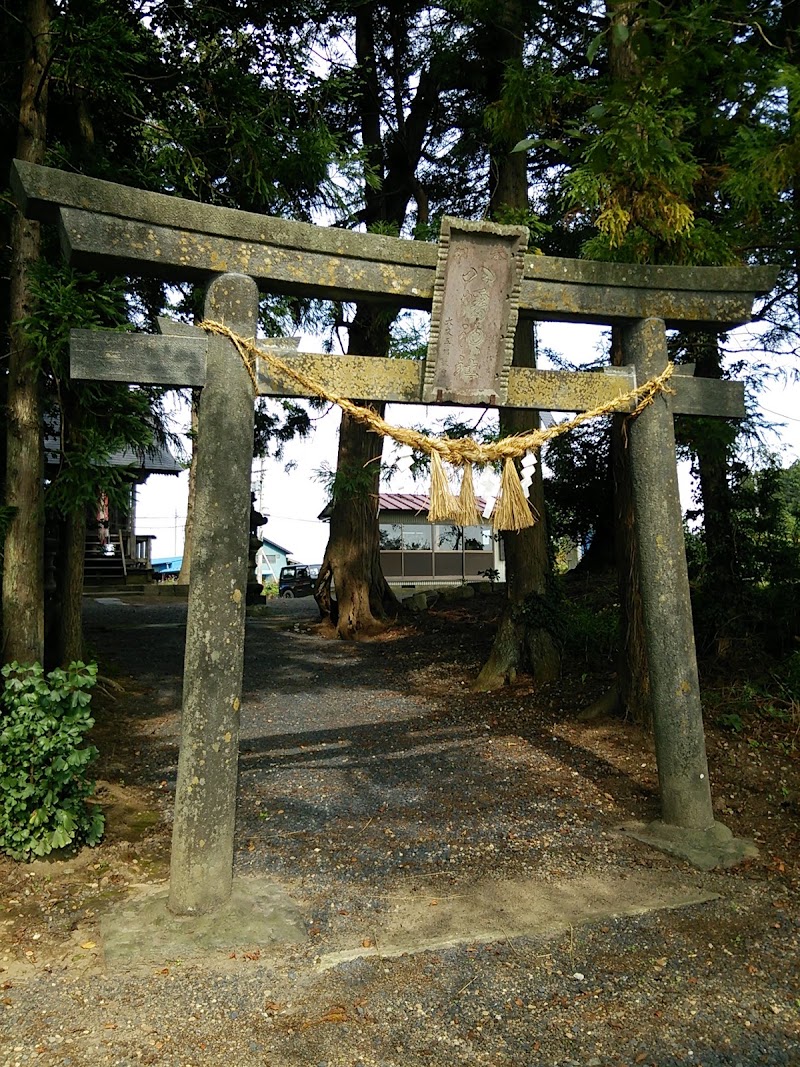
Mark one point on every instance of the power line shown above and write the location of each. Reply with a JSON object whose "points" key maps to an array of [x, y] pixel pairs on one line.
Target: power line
{"points": [[791, 418]]}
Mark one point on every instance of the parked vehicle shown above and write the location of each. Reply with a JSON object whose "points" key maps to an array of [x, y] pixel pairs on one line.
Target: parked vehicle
{"points": [[298, 579]]}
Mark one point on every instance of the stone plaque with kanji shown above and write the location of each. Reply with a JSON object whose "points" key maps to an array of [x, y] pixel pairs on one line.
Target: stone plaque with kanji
{"points": [[474, 314]]}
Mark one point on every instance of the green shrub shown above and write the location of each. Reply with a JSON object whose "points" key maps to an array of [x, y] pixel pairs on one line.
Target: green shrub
{"points": [[787, 675], [585, 628], [42, 764]]}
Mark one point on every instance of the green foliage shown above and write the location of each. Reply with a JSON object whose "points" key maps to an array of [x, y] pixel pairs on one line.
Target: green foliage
{"points": [[687, 144], [409, 338], [42, 762], [66, 299], [703, 244], [764, 156], [92, 420], [763, 706], [384, 228], [578, 485], [788, 492], [637, 171], [277, 423], [526, 89], [768, 550], [491, 574], [787, 677], [591, 631], [241, 116], [349, 482], [586, 629], [537, 227], [759, 605]]}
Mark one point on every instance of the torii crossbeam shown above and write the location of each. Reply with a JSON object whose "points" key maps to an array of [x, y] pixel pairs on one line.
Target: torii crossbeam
{"points": [[114, 228]]}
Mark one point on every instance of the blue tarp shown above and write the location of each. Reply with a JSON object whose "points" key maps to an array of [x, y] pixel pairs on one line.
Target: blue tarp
{"points": [[167, 565]]}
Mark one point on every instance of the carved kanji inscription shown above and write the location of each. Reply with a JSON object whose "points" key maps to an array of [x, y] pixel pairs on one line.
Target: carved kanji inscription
{"points": [[474, 315]]}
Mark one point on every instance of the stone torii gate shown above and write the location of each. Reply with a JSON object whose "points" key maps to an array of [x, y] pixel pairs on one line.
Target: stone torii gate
{"points": [[114, 228]]}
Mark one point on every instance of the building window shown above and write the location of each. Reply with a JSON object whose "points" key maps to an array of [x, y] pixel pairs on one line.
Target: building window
{"points": [[448, 538], [422, 537], [391, 536], [477, 539], [417, 537]]}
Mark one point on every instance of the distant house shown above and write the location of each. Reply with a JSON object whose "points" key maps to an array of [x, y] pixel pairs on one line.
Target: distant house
{"points": [[417, 552], [270, 558], [114, 547]]}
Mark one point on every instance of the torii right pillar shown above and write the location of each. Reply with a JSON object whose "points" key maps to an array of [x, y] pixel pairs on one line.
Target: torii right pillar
{"points": [[687, 827]]}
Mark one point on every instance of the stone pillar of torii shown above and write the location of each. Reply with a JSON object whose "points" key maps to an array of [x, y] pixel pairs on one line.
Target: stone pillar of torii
{"points": [[476, 282]]}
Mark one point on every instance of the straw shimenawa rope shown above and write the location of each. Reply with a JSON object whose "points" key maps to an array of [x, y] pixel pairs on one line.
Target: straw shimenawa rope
{"points": [[513, 512]]}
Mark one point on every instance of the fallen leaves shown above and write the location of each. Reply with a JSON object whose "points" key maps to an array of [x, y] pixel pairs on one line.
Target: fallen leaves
{"points": [[336, 1014]]}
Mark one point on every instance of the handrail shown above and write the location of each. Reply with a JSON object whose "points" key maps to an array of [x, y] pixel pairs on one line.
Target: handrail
{"points": [[122, 554]]}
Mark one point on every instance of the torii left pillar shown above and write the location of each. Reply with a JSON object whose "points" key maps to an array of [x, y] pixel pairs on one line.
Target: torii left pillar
{"points": [[201, 867]]}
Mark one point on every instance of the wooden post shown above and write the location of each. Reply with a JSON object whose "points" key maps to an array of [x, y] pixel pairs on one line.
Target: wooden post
{"points": [[201, 869], [669, 635]]}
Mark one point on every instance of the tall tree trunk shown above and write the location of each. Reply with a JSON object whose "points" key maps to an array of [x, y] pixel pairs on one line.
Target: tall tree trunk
{"points": [[66, 635], [364, 602], [352, 556], [185, 572], [70, 588], [633, 675], [790, 31], [712, 441], [521, 641], [64, 642], [23, 567]]}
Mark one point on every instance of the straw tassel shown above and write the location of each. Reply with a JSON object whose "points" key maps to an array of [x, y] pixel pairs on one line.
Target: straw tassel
{"points": [[443, 506], [468, 511], [512, 511]]}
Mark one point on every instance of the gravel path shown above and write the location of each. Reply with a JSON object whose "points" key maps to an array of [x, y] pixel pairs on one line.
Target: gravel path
{"points": [[389, 803]]}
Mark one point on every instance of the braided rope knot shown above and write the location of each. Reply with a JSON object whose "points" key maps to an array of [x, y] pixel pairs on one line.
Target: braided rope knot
{"points": [[512, 510]]}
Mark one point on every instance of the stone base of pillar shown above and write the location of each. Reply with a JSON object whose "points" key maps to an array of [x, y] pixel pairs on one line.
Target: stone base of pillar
{"points": [[142, 931], [704, 849]]}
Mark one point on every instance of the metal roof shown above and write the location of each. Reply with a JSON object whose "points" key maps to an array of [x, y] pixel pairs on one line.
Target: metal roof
{"points": [[274, 544], [404, 501], [155, 460], [413, 502]]}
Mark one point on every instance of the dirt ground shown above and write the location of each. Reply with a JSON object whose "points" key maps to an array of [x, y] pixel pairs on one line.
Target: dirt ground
{"points": [[450, 870]]}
